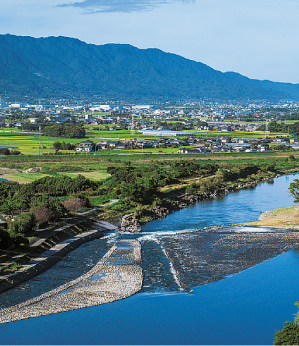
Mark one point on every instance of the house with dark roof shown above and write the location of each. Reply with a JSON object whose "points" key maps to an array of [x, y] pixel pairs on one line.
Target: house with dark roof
{"points": [[85, 146]]}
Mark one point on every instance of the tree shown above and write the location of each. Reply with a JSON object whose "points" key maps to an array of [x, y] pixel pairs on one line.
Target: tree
{"points": [[289, 335], [294, 190], [43, 215], [294, 128], [57, 146], [5, 239], [24, 223], [60, 130]]}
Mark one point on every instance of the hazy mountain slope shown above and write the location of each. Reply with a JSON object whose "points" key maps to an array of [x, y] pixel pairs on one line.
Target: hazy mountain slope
{"points": [[61, 66]]}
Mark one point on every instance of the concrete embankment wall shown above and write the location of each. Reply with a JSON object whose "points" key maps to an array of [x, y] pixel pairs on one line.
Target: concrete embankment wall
{"points": [[52, 256], [116, 276]]}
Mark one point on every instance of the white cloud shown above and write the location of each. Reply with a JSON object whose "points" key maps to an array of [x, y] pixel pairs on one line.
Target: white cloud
{"points": [[95, 6]]}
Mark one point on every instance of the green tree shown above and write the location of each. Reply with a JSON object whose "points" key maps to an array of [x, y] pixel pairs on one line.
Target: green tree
{"points": [[294, 190], [289, 335], [24, 223], [57, 146], [294, 128]]}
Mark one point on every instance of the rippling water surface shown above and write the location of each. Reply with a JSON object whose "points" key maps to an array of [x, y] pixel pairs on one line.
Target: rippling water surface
{"points": [[242, 309]]}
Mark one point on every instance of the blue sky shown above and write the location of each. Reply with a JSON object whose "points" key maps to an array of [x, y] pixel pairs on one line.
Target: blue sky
{"points": [[257, 38]]}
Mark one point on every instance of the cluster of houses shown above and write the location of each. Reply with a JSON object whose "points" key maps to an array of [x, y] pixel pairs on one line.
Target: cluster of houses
{"points": [[90, 146], [195, 145]]}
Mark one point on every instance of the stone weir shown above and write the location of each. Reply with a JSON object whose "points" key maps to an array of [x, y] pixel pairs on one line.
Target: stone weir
{"points": [[116, 276]]}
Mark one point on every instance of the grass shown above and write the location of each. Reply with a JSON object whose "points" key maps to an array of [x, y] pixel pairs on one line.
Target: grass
{"points": [[98, 200], [24, 178], [284, 217], [95, 175], [245, 134], [28, 143], [12, 268]]}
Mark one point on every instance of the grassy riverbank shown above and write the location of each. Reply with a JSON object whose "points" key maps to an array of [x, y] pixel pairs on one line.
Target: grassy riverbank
{"points": [[278, 218]]}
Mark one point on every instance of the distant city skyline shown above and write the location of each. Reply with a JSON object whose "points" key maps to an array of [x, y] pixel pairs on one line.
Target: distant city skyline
{"points": [[256, 38]]}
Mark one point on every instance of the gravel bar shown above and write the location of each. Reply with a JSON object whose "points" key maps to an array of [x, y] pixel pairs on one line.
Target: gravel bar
{"points": [[116, 276]]}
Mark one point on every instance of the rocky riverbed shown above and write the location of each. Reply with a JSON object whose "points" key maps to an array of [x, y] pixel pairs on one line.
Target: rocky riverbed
{"points": [[212, 254], [116, 276]]}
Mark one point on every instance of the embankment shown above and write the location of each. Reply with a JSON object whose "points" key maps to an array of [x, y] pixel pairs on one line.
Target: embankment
{"points": [[48, 258]]}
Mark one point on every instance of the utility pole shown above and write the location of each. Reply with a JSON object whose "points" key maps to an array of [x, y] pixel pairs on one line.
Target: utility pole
{"points": [[133, 125], [267, 129], [40, 148]]}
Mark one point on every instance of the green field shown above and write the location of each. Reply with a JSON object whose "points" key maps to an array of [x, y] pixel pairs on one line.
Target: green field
{"points": [[96, 175], [28, 143], [23, 178]]}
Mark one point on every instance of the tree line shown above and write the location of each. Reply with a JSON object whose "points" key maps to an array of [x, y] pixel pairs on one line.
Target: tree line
{"points": [[275, 126]]}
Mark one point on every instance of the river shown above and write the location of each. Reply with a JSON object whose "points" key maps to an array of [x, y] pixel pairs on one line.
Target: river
{"points": [[245, 308]]}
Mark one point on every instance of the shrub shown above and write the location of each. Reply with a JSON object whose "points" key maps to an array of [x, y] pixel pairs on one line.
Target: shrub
{"points": [[76, 203], [192, 188], [43, 215], [289, 335], [5, 239], [141, 210], [24, 223], [15, 152]]}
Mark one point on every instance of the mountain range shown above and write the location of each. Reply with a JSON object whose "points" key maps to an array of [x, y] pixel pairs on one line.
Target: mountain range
{"points": [[63, 67]]}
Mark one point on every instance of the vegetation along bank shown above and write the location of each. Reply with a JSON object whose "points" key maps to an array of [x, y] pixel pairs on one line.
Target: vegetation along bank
{"points": [[142, 190]]}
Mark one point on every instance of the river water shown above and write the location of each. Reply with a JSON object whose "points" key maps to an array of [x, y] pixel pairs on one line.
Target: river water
{"points": [[245, 308]]}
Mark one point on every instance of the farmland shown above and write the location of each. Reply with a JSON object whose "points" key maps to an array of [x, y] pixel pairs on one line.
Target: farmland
{"points": [[28, 142]]}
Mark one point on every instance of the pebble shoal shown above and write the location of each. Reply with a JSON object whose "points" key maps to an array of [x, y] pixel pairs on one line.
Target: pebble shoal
{"points": [[116, 276]]}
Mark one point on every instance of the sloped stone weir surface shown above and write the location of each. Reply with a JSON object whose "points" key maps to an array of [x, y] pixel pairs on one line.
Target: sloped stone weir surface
{"points": [[158, 274], [210, 255], [116, 276]]}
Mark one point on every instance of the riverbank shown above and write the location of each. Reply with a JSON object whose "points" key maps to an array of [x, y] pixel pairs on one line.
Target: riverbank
{"points": [[278, 218], [116, 276], [179, 200], [54, 254]]}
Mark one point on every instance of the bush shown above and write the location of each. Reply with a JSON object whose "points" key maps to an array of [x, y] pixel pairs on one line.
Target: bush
{"points": [[43, 215], [15, 152], [5, 239], [192, 188], [289, 335], [141, 210], [24, 223], [50, 203], [76, 203]]}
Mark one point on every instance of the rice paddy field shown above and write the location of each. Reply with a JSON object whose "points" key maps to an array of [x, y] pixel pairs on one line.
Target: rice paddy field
{"points": [[28, 143]]}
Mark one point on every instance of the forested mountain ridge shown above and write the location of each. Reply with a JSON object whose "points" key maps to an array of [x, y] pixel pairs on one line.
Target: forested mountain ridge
{"points": [[67, 67]]}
